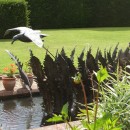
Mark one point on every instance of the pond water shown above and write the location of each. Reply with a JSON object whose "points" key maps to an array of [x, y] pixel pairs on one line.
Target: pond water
{"points": [[21, 114]]}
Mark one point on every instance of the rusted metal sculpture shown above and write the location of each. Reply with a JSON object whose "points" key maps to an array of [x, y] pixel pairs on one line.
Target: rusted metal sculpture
{"points": [[54, 77]]}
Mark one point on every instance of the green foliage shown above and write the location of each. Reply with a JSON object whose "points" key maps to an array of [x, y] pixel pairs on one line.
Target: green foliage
{"points": [[55, 118], [37, 13], [114, 108], [82, 114], [115, 98], [75, 13], [28, 68], [65, 13], [64, 111], [62, 117], [77, 78], [106, 122], [102, 74], [13, 13], [56, 13]]}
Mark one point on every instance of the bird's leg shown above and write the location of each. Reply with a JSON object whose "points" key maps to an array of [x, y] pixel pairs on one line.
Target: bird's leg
{"points": [[12, 41], [53, 55], [48, 51]]}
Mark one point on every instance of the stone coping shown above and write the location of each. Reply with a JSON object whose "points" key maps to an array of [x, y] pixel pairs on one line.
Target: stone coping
{"points": [[62, 126], [19, 91]]}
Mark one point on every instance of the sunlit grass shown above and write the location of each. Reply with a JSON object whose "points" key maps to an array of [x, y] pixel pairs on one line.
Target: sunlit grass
{"points": [[68, 38]]}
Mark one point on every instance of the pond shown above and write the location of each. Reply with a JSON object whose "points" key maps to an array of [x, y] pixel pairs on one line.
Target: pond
{"points": [[21, 114]]}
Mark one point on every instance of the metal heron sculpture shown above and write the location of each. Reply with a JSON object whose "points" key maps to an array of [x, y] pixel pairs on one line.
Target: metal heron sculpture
{"points": [[21, 72], [28, 35]]}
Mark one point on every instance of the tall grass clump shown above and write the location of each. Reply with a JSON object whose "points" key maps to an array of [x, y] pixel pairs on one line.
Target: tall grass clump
{"points": [[111, 109], [115, 97], [100, 118]]}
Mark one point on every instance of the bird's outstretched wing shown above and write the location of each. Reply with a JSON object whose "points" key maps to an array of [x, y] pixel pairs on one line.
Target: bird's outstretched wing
{"points": [[34, 37], [18, 29], [8, 31], [40, 33], [43, 35]]}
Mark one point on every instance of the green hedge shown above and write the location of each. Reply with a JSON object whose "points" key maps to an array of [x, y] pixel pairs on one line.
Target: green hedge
{"points": [[56, 13], [79, 13], [43, 13], [64, 13], [111, 13], [13, 13]]}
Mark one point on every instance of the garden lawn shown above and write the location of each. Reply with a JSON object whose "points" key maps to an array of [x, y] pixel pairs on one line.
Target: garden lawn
{"points": [[68, 38]]}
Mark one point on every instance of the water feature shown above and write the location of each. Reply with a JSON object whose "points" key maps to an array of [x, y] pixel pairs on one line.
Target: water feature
{"points": [[21, 114]]}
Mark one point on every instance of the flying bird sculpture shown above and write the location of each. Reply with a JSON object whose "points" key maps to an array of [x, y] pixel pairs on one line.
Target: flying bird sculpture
{"points": [[28, 35]]}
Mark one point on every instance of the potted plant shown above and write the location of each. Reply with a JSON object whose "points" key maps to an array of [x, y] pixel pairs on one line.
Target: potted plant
{"points": [[8, 79]]}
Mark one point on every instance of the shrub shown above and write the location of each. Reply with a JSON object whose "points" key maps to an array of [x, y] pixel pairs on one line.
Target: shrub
{"points": [[75, 13], [12, 14], [58, 13], [109, 13], [36, 13]]}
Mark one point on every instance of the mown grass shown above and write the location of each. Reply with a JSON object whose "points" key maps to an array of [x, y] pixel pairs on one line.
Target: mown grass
{"points": [[68, 38]]}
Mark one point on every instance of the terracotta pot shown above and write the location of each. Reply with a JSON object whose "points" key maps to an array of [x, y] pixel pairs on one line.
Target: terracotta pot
{"points": [[30, 77], [9, 83]]}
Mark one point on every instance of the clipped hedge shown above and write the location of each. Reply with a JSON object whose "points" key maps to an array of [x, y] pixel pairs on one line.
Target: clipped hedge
{"points": [[111, 13], [57, 13], [13, 13], [63, 13], [75, 13], [43, 13]]}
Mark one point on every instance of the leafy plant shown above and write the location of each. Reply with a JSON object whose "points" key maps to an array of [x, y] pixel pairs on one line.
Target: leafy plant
{"points": [[100, 119], [101, 75], [28, 68], [77, 78], [106, 122], [10, 70], [61, 117]]}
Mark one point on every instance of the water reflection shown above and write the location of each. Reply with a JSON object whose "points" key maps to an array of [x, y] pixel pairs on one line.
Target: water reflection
{"points": [[26, 104], [9, 106], [21, 113]]}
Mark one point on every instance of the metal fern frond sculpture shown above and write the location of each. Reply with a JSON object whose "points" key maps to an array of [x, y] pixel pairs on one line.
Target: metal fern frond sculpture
{"points": [[21, 72]]}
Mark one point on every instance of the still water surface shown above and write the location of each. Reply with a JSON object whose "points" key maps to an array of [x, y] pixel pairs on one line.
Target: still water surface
{"points": [[21, 114]]}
